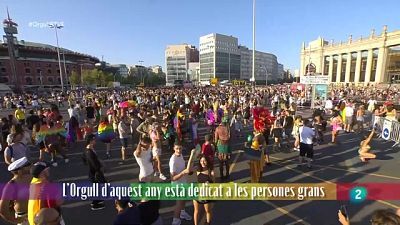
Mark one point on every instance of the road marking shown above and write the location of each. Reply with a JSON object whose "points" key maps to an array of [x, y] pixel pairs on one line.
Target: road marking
{"points": [[347, 170], [388, 204], [285, 212], [234, 161]]}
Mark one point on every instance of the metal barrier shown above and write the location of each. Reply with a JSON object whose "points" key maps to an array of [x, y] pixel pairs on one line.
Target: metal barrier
{"points": [[395, 129]]}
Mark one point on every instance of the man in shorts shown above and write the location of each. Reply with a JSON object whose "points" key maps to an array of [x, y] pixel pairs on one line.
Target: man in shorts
{"points": [[306, 144]]}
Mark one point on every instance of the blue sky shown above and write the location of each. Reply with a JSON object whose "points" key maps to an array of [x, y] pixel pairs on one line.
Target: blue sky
{"points": [[126, 31]]}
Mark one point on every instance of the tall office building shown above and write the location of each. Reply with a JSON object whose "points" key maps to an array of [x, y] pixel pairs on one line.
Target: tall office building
{"points": [[177, 59], [266, 65], [219, 57]]}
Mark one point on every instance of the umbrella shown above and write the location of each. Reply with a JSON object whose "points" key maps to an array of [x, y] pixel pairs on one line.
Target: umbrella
{"points": [[124, 104]]}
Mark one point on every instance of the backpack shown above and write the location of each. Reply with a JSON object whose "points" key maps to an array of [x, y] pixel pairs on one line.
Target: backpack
{"points": [[12, 149]]}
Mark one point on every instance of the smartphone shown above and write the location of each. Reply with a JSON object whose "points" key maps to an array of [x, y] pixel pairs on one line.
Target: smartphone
{"points": [[343, 210]]}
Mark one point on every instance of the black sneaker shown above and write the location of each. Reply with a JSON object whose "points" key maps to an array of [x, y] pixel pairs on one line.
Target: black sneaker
{"points": [[99, 206]]}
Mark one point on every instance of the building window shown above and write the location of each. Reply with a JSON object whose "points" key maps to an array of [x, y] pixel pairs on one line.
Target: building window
{"points": [[58, 71], [327, 60], [49, 65], [49, 71], [393, 65], [38, 71], [363, 69], [374, 64], [3, 70], [343, 72], [28, 80], [353, 63], [50, 80], [27, 70], [335, 66]]}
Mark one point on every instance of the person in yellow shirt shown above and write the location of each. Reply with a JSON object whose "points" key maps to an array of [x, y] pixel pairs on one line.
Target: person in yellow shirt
{"points": [[20, 115], [41, 194]]}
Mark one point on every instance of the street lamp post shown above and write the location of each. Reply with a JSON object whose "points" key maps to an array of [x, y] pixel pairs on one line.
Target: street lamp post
{"points": [[254, 44], [56, 26], [141, 72], [266, 74], [65, 69]]}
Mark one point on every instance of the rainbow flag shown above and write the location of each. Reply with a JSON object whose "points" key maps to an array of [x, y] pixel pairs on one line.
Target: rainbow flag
{"points": [[105, 132], [47, 131]]}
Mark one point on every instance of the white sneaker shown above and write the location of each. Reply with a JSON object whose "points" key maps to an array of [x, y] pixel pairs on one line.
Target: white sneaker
{"points": [[66, 160], [54, 164], [176, 221], [155, 174], [162, 177], [185, 216]]}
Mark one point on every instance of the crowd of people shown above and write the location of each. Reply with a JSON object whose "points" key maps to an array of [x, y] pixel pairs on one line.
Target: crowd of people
{"points": [[148, 122]]}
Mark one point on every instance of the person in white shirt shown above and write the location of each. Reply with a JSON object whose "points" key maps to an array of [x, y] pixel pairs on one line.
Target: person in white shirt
{"points": [[124, 133], [349, 110], [72, 111], [328, 106], [306, 143], [179, 174], [371, 105], [144, 160]]}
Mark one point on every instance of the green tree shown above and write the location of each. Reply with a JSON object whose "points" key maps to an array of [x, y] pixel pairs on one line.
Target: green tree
{"points": [[89, 77], [74, 79]]}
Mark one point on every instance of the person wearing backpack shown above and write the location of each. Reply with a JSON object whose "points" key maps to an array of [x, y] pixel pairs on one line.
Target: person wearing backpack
{"points": [[16, 150], [222, 136]]}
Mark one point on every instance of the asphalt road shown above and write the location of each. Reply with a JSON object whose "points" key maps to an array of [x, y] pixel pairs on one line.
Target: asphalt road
{"points": [[332, 164]]}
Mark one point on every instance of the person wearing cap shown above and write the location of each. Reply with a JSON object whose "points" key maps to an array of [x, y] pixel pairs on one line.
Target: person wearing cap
{"points": [[20, 114], [16, 193], [96, 174], [41, 194]]}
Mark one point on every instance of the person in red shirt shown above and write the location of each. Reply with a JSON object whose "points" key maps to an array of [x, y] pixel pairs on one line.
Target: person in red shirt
{"points": [[208, 150]]}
